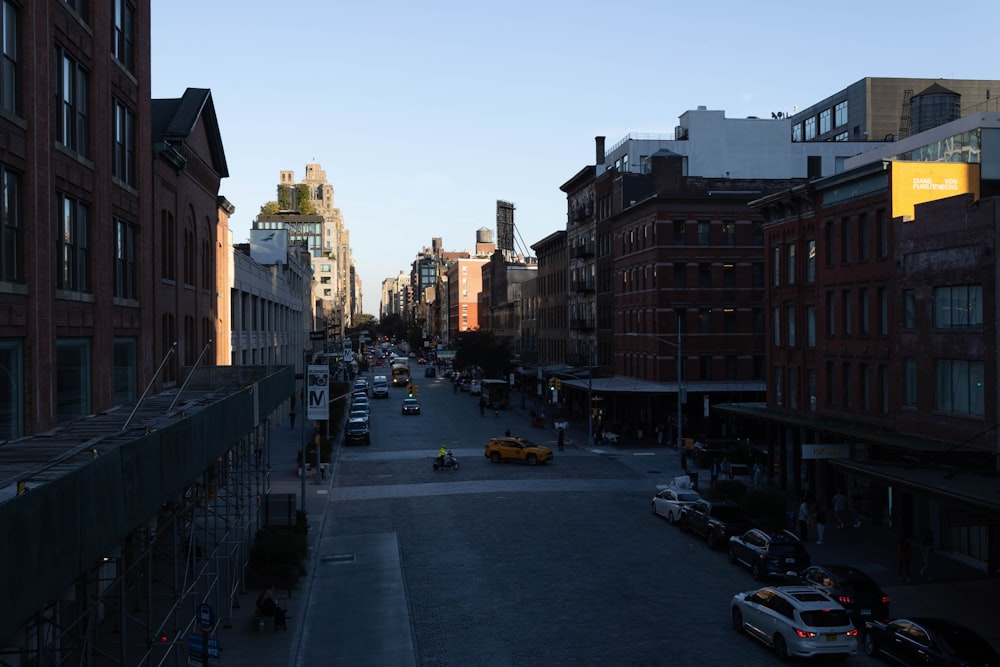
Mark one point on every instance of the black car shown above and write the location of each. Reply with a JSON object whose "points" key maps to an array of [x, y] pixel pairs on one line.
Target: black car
{"points": [[852, 588], [357, 432], [765, 553], [716, 521], [927, 641]]}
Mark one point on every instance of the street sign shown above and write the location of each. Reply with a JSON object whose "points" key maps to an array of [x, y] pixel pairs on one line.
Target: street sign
{"points": [[317, 393], [206, 618], [317, 335]]}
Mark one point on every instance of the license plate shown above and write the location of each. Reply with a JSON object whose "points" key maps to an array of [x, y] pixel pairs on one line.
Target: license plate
{"points": [[789, 560], [866, 612], [831, 638]]}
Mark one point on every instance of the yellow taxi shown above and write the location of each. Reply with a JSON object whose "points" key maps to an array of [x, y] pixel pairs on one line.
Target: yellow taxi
{"points": [[517, 449]]}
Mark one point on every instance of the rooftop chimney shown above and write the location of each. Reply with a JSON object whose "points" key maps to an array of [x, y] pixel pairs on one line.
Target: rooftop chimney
{"points": [[600, 149]]}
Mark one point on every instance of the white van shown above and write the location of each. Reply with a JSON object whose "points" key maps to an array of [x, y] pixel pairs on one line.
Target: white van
{"points": [[380, 387]]}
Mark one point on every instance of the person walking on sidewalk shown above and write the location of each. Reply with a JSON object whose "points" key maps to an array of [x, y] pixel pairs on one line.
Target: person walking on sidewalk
{"points": [[803, 517], [562, 440], [820, 515], [904, 553], [713, 472], [926, 547]]}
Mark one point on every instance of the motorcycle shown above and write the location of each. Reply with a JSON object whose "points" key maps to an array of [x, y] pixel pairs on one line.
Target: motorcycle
{"points": [[446, 461]]}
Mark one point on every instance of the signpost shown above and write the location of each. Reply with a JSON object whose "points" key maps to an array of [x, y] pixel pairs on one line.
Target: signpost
{"points": [[317, 393], [204, 645]]}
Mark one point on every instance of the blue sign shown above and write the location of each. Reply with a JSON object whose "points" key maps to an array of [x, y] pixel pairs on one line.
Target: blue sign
{"points": [[196, 645], [206, 618]]}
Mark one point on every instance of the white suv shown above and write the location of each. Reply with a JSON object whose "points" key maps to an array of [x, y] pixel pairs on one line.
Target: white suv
{"points": [[380, 387], [795, 621]]}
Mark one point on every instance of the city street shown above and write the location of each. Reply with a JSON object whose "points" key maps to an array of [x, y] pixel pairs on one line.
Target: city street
{"points": [[508, 564]]}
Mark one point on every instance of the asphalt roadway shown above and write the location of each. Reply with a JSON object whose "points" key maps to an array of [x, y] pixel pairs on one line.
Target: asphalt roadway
{"points": [[369, 600]]}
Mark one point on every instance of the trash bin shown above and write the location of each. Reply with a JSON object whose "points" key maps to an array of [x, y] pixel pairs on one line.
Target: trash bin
{"points": [[693, 476]]}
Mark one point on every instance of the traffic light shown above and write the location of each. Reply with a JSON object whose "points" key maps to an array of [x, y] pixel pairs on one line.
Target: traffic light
{"points": [[409, 390], [552, 384]]}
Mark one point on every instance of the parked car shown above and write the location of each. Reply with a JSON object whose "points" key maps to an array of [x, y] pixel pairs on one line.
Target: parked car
{"points": [[768, 553], [852, 588], [669, 500], [475, 388], [927, 641], [357, 432], [380, 387], [411, 406], [464, 384], [795, 621], [716, 521], [358, 413], [517, 449]]}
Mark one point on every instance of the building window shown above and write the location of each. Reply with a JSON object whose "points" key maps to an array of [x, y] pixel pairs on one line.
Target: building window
{"points": [[729, 232], [910, 382], [705, 320], [828, 237], [11, 229], [958, 307], [776, 266], [811, 261], [10, 68], [680, 275], [825, 121], [793, 387], [811, 388], [776, 326], [168, 246], [909, 309], [845, 385], [863, 320], [757, 274], [883, 382], [79, 6], [704, 232], [729, 320], [790, 317], [862, 238], [810, 326], [705, 275], [123, 166], [71, 110], [757, 320], [841, 137], [797, 132], [790, 278], [12, 390], [845, 241], [73, 264], [757, 233], [959, 386], [846, 307], [705, 367], [882, 229], [679, 232], [831, 315], [810, 127], [729, 276], [72, 379], [126, 370], [840, 114], [125, 283], [829, 383], [124, 44], [776, 376], [883, 311]]}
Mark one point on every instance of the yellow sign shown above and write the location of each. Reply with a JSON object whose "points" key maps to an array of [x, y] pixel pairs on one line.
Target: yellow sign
{"points": [[918, 182]]}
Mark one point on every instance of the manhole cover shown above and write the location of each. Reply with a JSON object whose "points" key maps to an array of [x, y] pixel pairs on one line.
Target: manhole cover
{"points": [[337, 558]]}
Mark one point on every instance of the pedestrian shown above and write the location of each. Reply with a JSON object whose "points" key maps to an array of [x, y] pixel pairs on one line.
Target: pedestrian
{"points": [[659, 434], [820, 517], [684, 460], [727, 468], [926, 546], [840, 507], [903, 555], [562, 440], [713, 472], [803, 517], [758, 475], [507, 432]]}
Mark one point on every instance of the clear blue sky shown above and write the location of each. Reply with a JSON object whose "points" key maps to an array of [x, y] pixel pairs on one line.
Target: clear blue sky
{"points": [[424, 114]]}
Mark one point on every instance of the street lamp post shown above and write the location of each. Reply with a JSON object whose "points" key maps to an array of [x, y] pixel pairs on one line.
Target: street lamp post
{"points": [[680, 391]]}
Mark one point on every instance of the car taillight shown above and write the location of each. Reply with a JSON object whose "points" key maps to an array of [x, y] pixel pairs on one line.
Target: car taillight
{"points": [[885, 599], [804, 634], [844, 599], [853, 632]]}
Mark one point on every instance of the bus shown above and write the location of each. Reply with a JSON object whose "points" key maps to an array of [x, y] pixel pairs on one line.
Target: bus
{"points": [[496, 392], [400, 374]]}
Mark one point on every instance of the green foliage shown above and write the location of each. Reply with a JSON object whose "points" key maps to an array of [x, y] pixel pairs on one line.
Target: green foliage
{"points": [[766, 508], [285, 195], [483, 349], [270, 208], [303, 204]]}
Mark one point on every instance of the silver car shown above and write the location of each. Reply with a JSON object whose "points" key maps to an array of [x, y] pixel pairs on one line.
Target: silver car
{"points": [[795, 621]]}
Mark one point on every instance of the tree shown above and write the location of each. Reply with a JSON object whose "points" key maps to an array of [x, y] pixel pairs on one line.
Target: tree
{"points": [[483, 349], [270, 208]]}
